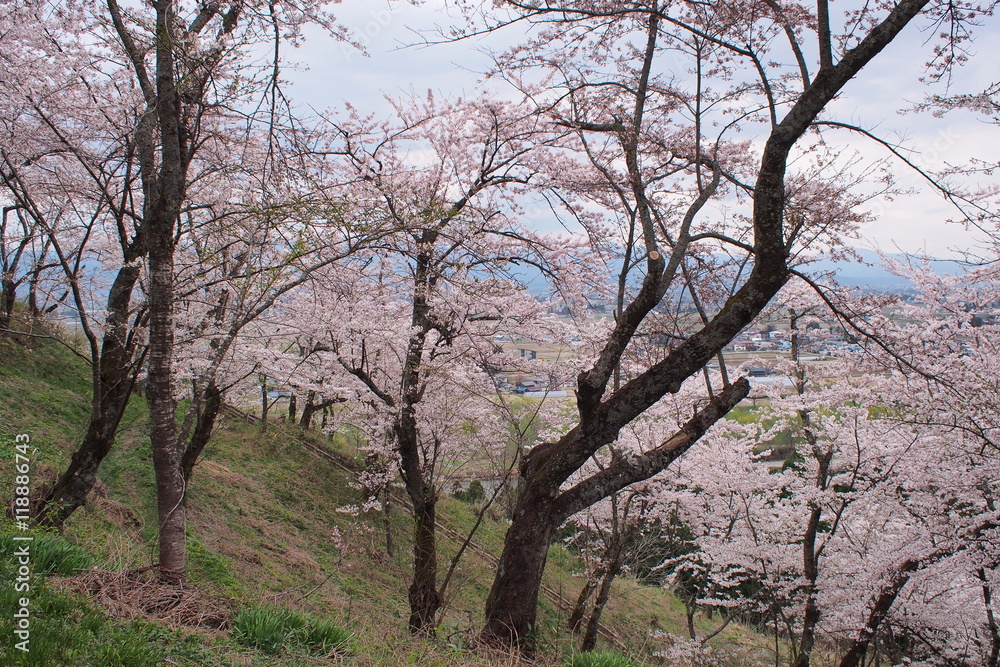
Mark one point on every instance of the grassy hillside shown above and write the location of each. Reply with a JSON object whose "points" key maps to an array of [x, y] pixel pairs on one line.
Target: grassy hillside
{"points": [[269, 535]]}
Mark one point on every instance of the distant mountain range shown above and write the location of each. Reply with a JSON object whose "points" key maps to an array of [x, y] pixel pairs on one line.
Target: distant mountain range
{"points": [[870, 274], [867, 274]]}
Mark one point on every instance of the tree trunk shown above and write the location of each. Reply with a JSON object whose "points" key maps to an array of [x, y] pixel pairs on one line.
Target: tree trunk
{"points": [[580, 608], [991, 622], [70, 491], [113, 381], [265, 404], [162, 214], [810, 619], [810, 557], [416, 465], [308, 411], [512, 605], [212, 403], [7, 300], [390, 548], [36, 276], [594, 624], [424, 598], [541, 508], [33, 308], [878, 609], [167, 450], [291, 409]]}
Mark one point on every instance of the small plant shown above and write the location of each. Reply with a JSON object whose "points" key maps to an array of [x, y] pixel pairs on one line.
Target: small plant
{"points": [[476, 492], [604, 658], [67, 631], [266, 628], [322, 636], [50, 553], [130, 649], [270, 629]]}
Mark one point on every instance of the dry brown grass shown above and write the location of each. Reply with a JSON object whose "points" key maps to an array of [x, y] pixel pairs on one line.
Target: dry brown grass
{"points": [[140, 594]]}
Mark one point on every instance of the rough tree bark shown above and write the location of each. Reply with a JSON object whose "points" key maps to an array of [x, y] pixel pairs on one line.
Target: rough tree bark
{"points": [[9, 261], [878, 609], [425, 599], [603, 595], [8, 297], [512, 603], [204, 423], [115, 355], [580, 608], [164, 173], [991, 622], [810, 552], [309, 410], [424, 596], [167, 190], [112, 380], [265, 404]]}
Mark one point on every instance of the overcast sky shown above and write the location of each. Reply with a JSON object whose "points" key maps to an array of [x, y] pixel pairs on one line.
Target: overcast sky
{"points": [[334, 73]]}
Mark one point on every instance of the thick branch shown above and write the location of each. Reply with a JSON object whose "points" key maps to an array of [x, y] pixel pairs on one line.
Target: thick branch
{"points": [[629, 470]]}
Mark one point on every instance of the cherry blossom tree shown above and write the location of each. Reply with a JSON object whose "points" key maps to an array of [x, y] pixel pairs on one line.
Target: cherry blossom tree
{"points": [[24, 259], [609, 535], [611, 72], [943, 355], [884, 508], [70, 163], [419, 316], [188, 68], [358, 336], [261, 244], [168, 97]]}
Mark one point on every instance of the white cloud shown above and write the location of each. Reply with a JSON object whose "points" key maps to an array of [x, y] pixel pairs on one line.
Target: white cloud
{"points": [[874, 101]]}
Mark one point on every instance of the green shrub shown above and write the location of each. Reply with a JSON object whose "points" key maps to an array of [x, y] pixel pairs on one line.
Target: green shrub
{"points": [[322, 636], [476, 492], [604, 658], [271, 629], [266, 628]]}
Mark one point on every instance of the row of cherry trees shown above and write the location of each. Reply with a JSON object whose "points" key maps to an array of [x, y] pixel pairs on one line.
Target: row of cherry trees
{"points": [[158, 185], [878, 531], [872, 534]]}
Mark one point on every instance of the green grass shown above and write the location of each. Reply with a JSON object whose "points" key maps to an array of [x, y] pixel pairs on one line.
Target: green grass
{"points": [[50, 553], [268, 629], [272, 629], [320, 635], [262, 513], [65, 630], [605, 658]]}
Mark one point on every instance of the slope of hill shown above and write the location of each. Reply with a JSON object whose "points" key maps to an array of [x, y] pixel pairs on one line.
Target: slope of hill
{"points": [[270, 529]]}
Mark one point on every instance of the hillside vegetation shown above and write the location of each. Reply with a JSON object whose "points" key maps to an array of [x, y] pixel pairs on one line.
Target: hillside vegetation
{"points": [[281, 568]]}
